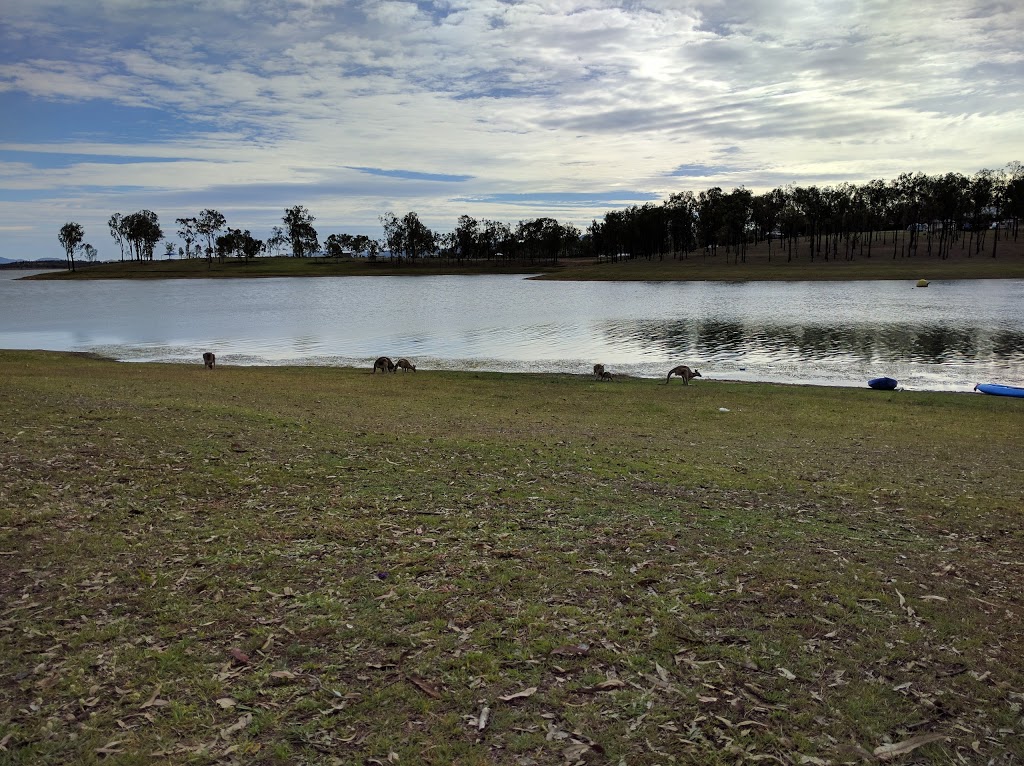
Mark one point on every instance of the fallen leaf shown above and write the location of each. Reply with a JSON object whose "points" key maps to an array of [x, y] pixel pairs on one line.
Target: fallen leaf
{"points": [[519, 695], [110, 748], [285, 674], [227, 702], [605, 686], [424, 687], [885, 752], [575, 752], [787, 674], [239, 656], [153, 701], [481, 720], [236, 727]]}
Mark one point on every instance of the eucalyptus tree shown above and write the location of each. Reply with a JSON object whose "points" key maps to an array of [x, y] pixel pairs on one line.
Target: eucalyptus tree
{"points": [[276, 241], [394, 234], [467, 238], [710, 218], [361, 244], [336, 245], [736, 209], [238, 243], [71, 236], [681, 220], [496, 240], [142, 231], [208, 225], [116, 225], [298, 223], [419, 240], [89, 252], [189, 232], [766, 214]]}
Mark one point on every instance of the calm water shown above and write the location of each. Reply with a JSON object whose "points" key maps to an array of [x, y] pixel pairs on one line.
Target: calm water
{"points": [[948, 336]]}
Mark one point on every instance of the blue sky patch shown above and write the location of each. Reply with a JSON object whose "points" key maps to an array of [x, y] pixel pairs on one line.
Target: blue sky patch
{"points": [[412, 175]]}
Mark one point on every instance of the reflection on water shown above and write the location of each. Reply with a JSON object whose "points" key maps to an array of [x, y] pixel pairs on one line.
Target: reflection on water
{"points": [[948, 336]]}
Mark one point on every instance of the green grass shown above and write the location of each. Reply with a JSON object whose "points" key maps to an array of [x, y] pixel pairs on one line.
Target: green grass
{"points": [[318, 565]]}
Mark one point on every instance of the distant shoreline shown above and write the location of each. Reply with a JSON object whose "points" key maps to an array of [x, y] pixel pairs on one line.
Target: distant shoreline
{"points": [[759, 263]]}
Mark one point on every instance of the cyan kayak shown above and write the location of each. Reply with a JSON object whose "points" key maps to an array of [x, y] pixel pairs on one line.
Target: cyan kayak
{"points": [[998, 390]]}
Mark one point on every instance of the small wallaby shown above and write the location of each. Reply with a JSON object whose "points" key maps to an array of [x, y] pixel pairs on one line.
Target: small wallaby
{"points": [[384, 365], [405, 365], [605, 375], [209, 359], [683, 372]]}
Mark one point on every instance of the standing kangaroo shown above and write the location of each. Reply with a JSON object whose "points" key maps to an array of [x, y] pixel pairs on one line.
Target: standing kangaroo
{"points": [[209, 359], [405, 365], [598, 370], [683, 372], [384, 365]]}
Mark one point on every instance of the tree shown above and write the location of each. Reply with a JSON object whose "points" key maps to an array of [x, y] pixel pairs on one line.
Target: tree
{"points": [[142, 231], [89, 252], [337, 245], [276, 241], [116, 231], [208, 224], [419, 240], [71, 236], [189, 232], [169, 250], [467, 237], [303, 237], [394, 234], [238, 243]]}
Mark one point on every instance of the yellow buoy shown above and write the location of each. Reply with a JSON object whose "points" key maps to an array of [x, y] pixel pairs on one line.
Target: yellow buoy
{"points": [[922, 283]]}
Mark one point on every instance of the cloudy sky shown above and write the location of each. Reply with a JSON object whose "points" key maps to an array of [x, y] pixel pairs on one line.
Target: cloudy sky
{"points": [[502, 109]]}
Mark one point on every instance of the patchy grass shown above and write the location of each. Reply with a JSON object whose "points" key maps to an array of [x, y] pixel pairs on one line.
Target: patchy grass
{"points": [[316, 565]]}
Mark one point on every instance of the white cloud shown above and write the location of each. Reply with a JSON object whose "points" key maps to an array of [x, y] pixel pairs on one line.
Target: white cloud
{"points": [[541, 95]]}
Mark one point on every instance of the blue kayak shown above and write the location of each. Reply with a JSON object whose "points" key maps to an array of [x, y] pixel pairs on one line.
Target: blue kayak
{"points": [[998, 390], [883, 384]]}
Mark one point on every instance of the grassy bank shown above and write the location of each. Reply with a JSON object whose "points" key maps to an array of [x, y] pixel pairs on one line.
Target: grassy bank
{"points": [[316, 565], [760, 265]]}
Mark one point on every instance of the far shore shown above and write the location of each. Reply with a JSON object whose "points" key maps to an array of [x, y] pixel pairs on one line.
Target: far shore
{"points": [[759, 264]]}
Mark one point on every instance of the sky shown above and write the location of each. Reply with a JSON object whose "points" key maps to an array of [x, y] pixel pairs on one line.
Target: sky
{"points": [[500, 109]]}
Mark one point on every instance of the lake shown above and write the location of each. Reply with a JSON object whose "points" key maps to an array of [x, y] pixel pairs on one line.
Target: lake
{"points": [[947, 336]]}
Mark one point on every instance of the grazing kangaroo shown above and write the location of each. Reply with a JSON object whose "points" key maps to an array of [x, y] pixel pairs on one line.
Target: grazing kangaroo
{"points": [[605, 375], [405, 364], [384, 365], [209, 359], [683, 372], [598, 370]]}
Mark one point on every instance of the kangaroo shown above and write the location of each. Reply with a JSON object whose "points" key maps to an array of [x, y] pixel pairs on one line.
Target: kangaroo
{"points": [[209, 359], [405, 364], [605, 375], [384, 365], [598, 370], [683, 372]]}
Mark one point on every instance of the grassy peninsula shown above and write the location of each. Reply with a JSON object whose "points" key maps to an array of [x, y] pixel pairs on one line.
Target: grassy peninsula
{"points": [[324, 566], [759, 264]]}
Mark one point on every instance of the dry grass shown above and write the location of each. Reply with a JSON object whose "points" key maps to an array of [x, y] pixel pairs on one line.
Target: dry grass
{"points": [[315, 565]]}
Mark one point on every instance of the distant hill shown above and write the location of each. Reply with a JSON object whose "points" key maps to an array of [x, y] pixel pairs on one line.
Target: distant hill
{"points": [[42, 263]]}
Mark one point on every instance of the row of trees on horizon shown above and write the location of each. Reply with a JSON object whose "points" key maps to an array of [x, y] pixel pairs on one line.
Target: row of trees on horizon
{"points": [[939, 210]]}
